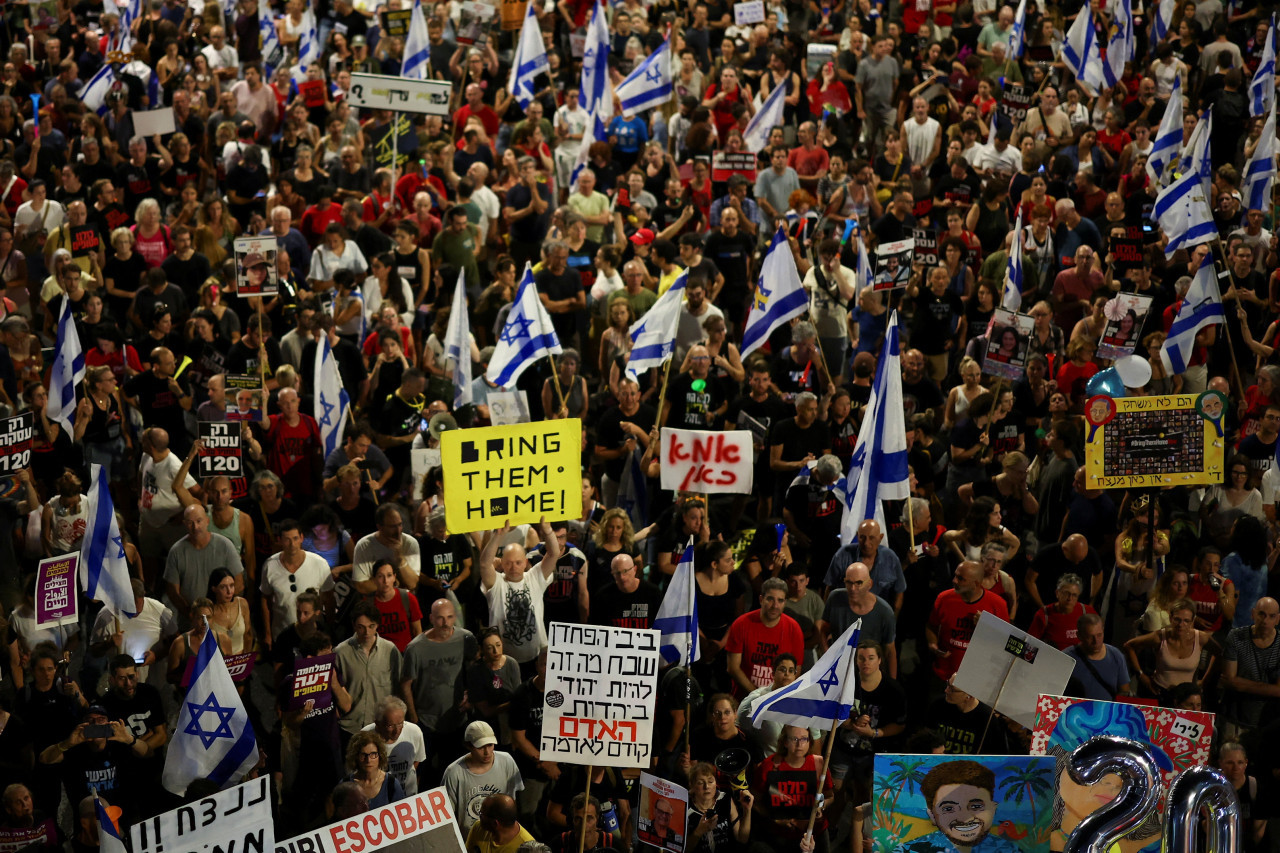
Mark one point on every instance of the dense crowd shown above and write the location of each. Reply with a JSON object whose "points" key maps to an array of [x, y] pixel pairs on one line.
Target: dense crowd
{"points": [[895, 119]]}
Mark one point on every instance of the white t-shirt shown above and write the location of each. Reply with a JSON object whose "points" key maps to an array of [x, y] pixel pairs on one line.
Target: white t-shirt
{"points": [[141, 632], [920, 138], [275, 583], [403, 753], [576, 121], [52, 212], [369, 551], [490, 208], [159, 502], [516, 610]]}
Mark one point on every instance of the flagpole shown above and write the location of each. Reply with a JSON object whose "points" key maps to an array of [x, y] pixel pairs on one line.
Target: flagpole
{"points": [[666, 375], [836, 722], [1219, 264], [555, 377], [1003, 681]]}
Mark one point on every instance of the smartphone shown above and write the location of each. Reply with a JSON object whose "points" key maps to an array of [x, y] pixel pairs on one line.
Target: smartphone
{"points": [[91, 732]]}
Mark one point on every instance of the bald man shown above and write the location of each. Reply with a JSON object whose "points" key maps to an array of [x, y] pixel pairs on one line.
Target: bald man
{"points": [[1251, 671], [192, 560], [887, 578], [432, 671], [857, 601], [1072, 556], [160, 509], [515, 594], [628, 602], [162, 398], [954, 616]]}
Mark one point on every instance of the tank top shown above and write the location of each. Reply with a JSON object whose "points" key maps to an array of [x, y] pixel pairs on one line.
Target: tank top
{"points": [[235, 633], [104, 426], [1172, 671], [68, 525], [231, 532], [153, 249]]}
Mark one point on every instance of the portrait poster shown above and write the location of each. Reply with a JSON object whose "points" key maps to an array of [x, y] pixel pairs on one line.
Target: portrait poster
{"points": [[930, 803], [256, 273], [1149, 442], [1126, 313], [893, 264], [1179, 739], [474, 21], [244, 397], [660, 821], [1008, 338]]}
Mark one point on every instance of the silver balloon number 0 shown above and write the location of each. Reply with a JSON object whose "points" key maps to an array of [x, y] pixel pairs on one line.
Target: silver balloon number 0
{"points": [[1197, 789]]}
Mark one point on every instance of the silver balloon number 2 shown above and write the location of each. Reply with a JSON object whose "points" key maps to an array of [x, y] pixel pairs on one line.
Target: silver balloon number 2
{"points": [[1133, 763], [1196, 790]]}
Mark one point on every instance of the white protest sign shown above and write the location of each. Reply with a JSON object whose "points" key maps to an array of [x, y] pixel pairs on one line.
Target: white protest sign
{"points": [[424, 823], [1008, 669], [421, 461], [148, 123], [237, 820], [599, 698], [707, 461], [748, 12]]}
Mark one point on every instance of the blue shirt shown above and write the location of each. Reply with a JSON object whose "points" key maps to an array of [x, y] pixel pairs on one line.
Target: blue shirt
{"points": [[887, 579], [631, 133], [1251, 584], [1112, 668]]}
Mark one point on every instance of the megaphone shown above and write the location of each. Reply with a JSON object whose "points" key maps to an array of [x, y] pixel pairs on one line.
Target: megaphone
{"points": [[733, 763], [441, 422]]}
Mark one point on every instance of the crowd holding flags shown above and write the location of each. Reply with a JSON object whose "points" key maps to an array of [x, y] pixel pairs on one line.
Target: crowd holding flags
{"points": [[1201, 306], [1095, 65], [527, 336], [653, 336], [1262, 89], [767, 117], [595, 96], [650, 84], [1167, 141], [529, 61], [104, 571], [67, 373], [1182, 207], [779, 294], [332, 400], [677, 617]]}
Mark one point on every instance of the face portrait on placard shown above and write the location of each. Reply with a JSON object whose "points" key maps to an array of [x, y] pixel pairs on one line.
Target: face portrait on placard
{"points": [[661, 821], [256, 270]]}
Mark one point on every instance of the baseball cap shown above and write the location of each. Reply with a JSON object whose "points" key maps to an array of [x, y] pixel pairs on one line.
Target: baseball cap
{"points": [[95, 710], [643, 237], [480, 734], [359, 41], [254, 259]]}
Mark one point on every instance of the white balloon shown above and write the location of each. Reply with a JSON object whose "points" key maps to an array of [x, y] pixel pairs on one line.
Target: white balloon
{"points": [[1135, 372]]}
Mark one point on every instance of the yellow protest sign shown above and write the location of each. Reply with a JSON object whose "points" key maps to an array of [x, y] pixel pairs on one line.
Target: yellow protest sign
{"points": [[1174, 440], [516, 473]]}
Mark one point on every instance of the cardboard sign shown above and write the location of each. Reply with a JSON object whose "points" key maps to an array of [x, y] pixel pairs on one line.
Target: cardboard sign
{"points": [[1127, 253], [518, 474], [903, 820], [1177, 740], [84, 240], [893, 264], [56, 591], [1008, 338], [148, 123], [600, 692], [421, 461], [256, 273], [425, 823], [221, 454], [1136, 442], [312, 92], [710, 462], [1126, 313], [748, 12], [513, 12], [726, 164], [1008, 669], [1015, 102], [396, 23], [244, 397], [661, 821], [311, 682], [926, 248], [16, 436], [238, 818], [384, 92]]}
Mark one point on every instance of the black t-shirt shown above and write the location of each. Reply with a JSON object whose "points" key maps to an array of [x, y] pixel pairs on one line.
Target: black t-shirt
{"points": [[566, 285], [792, 378], [731, 256], [1051, 564], [144, 305], [161, 407], [797, 442], [358, 521], [188, 274], [612, 607], [963, 732], [935, 324], [960, 190], [525, 715], [243, 359], [247, 183], [919, 396], [692, 409], [139, 182], [109, 772], [610, 435], [884, 706]]}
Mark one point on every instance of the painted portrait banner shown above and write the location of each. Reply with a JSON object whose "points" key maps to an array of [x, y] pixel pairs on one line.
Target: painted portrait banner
{"points": [[1136, 442]]}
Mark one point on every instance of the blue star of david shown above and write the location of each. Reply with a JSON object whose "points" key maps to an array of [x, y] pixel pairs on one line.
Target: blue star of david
{"points": [[119, 543], [829, 679], [589, 56], [654, 74], [211, 706], [517, 329], [328, 407]]}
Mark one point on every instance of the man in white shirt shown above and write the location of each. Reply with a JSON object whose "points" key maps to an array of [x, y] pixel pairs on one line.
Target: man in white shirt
{"points": [[485, 199], [39, 214], [388, 542], [693, 313], [160, 511], [923, 136], [515, 595], [285, 574], [999, 156], [223, 61], [143, 637], [406, 748], [571, 124]]}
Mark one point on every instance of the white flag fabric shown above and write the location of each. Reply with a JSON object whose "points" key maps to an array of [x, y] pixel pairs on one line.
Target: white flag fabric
{"points": [[331, 399], [1018, 33], [779, 295], [595, 132], [530, 60], [865, 275], [1182, 208], [595, 66], [67, 373], [1202, 306], [653, 336], [417, 46], [823, 694], [104, 571], [1081, 53], [878, 469], [270, 44], [94, 93], [213, 739], [309, 40], [1262, 89], [128, 15], [677, 619], [527, 336], [1260, 171], [1120, 43], [1161, 20], [767, 117], [1167, 141], [650, 84], [457, 344], [1013, 279]]}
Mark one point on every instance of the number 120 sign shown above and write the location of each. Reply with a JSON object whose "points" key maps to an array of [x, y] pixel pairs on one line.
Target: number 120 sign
{"points": [[708, 462], [16, 435]]}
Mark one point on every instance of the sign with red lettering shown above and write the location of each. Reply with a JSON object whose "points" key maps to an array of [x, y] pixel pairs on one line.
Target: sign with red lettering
{"points": [[707, 462], [425, 823]]}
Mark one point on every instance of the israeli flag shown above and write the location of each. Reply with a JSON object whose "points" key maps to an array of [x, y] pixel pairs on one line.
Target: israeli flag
{"points": [[270, 47], [878, 469], [595, 132], [677, 618], [213, 739], [109, 840], [767, 117], [1081, 53], [417, 47], [1195, 157], [527, 336], [820, 698], [1260, 171], [331, 401], [779, 294], [1011, 300], [530, 60], [650, 84], [131, 12], [1168, 139], [865, 275], [1182, 210], [1161, 20], [308, 46], [94, 93], [1262, 89], [104, 573], [595, 66], [67, 372], [653, 336], [1018, 32], [1120, 44], [457, 344], [1202, 306]]}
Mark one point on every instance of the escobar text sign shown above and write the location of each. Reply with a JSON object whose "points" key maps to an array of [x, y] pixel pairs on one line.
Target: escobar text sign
{"points": [[237, 820], [518, 473], [599, 697], [706, 461], [421, 824]]}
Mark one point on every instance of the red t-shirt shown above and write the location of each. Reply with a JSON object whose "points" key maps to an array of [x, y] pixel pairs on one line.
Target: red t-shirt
{"points": [[1208, 605], [487, 117], [290, 450], [314, 221], [1058, 628], [953, 620], [759, 645], [808, 163], [95, 357], [395, 624]]}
